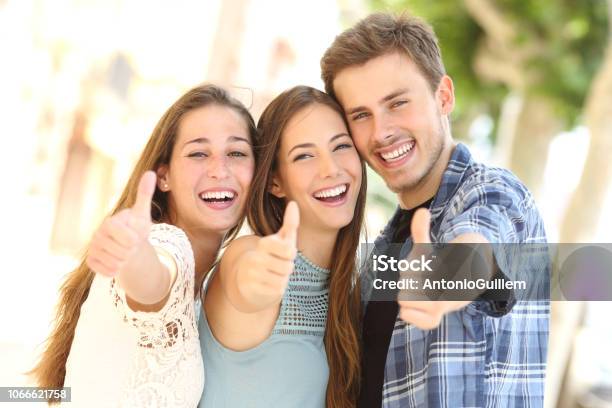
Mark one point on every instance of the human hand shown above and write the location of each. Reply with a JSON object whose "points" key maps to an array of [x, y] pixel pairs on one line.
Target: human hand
{"points": [[120, 235], [265, 270], [425, 315]]}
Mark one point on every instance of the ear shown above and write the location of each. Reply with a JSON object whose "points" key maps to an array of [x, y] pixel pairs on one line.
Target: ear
{"points": [[445, 95], [162, 178], [276, 188]]}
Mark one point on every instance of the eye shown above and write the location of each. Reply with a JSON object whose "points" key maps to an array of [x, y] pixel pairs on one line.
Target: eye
{"points": [[302, 156], [397, 104], [237, 153], [198, 155], [343, 146], [360, 115]]}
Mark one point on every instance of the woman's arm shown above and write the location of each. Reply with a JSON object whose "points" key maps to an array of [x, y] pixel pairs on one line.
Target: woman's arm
{"points": [[244, 295]]}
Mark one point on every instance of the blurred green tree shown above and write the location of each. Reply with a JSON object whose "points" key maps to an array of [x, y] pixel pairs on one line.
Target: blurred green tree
{"points": [[583, 212]]}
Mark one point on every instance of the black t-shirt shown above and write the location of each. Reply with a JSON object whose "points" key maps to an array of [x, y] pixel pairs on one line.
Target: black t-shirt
{"points": [[378, 323]]}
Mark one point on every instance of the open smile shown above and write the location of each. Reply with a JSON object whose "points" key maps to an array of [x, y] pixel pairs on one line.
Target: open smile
{"points": [[332, 196], [219, 198], [396, 155]]}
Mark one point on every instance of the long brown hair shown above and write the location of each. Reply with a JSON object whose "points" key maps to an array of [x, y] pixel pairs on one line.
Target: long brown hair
{"points": [[50, 371], [265, 215]]}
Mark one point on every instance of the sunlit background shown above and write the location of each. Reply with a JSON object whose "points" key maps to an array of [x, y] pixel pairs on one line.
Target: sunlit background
{"points": [[83, 83]]}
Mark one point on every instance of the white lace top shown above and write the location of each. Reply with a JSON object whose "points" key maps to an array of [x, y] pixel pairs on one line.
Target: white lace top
{"points": [[123, 358]]}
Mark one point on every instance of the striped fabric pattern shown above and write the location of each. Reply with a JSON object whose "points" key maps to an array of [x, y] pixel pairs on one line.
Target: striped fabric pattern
{"points": [[478, 356]]}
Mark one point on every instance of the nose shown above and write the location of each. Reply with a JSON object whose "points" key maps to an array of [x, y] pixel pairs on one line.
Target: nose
{"points": [[328, 166], [217, 168], [382, 127]]}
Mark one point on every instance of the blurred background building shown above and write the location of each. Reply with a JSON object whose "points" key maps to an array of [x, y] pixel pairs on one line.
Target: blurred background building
{"points": [[83, 82]]}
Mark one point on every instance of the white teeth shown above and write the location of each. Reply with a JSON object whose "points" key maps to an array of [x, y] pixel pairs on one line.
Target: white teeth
{"points": [[398, 152], [217, 195], [332, 192]]}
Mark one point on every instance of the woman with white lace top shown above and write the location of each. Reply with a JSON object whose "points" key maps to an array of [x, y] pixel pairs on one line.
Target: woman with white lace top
{"points": [[125, 333]]}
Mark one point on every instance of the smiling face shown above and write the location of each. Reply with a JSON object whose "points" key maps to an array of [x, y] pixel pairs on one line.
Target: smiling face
{"points": [[319, 168], [399, 125], [210, 169]]}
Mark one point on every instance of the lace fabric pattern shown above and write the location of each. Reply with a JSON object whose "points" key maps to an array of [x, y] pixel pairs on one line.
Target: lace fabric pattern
{"points": [[168, 369]]}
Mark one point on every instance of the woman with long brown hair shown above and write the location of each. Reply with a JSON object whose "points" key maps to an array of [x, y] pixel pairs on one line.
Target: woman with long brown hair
{"points": [[125, 332], [281, 312]]}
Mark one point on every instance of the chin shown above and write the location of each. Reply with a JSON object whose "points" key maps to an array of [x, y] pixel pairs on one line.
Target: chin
{"points": [[339, 222], [225, 227], [402, 181], [396, 183], [218, 226]]}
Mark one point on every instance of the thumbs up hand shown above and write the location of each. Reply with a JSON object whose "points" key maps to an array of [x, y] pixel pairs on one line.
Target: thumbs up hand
{"points": [[425, 315], [264, 271], [420, 227], [140, 213], [120, 235]]}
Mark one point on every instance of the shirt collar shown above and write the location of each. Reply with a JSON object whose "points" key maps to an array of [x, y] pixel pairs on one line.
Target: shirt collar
{"points": [[460, 160], [452, 178]]}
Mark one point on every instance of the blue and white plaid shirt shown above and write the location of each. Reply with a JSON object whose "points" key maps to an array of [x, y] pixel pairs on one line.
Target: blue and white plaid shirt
{"points": [[478, 356]]}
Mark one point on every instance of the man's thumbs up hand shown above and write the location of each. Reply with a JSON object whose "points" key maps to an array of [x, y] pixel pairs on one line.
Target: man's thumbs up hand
{"points": [[420, 226], [424, 314]]}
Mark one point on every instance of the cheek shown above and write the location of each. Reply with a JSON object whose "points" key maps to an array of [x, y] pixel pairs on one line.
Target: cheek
{"points": [[352, 164], [356, 170], [184, 177], [188, 170], [298, 178], [243, 172], [360, 138], [422, 118]]}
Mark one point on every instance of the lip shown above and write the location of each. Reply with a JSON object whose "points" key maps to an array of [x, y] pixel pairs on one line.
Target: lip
{"points": [[218, 205], [396, 163], [337, 203]]}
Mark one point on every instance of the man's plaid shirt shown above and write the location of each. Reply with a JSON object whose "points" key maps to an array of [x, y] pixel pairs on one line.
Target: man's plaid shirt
{"points": [[480, 356]]}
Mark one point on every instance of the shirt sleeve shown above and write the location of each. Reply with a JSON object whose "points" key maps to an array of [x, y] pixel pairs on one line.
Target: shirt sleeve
{"points": [[160, 327], [493, 211]]}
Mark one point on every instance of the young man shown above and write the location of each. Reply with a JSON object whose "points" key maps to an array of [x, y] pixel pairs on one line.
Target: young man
{"points": [[388, 75]]}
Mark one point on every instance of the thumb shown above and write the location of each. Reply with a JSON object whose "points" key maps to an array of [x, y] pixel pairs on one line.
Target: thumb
{"points": [[420, 226], [291, 222], [146, 188]]}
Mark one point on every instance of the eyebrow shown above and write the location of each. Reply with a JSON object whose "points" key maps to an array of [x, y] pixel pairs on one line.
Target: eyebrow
{"points": [[207, 141], [304, 145], [387, 98]]}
